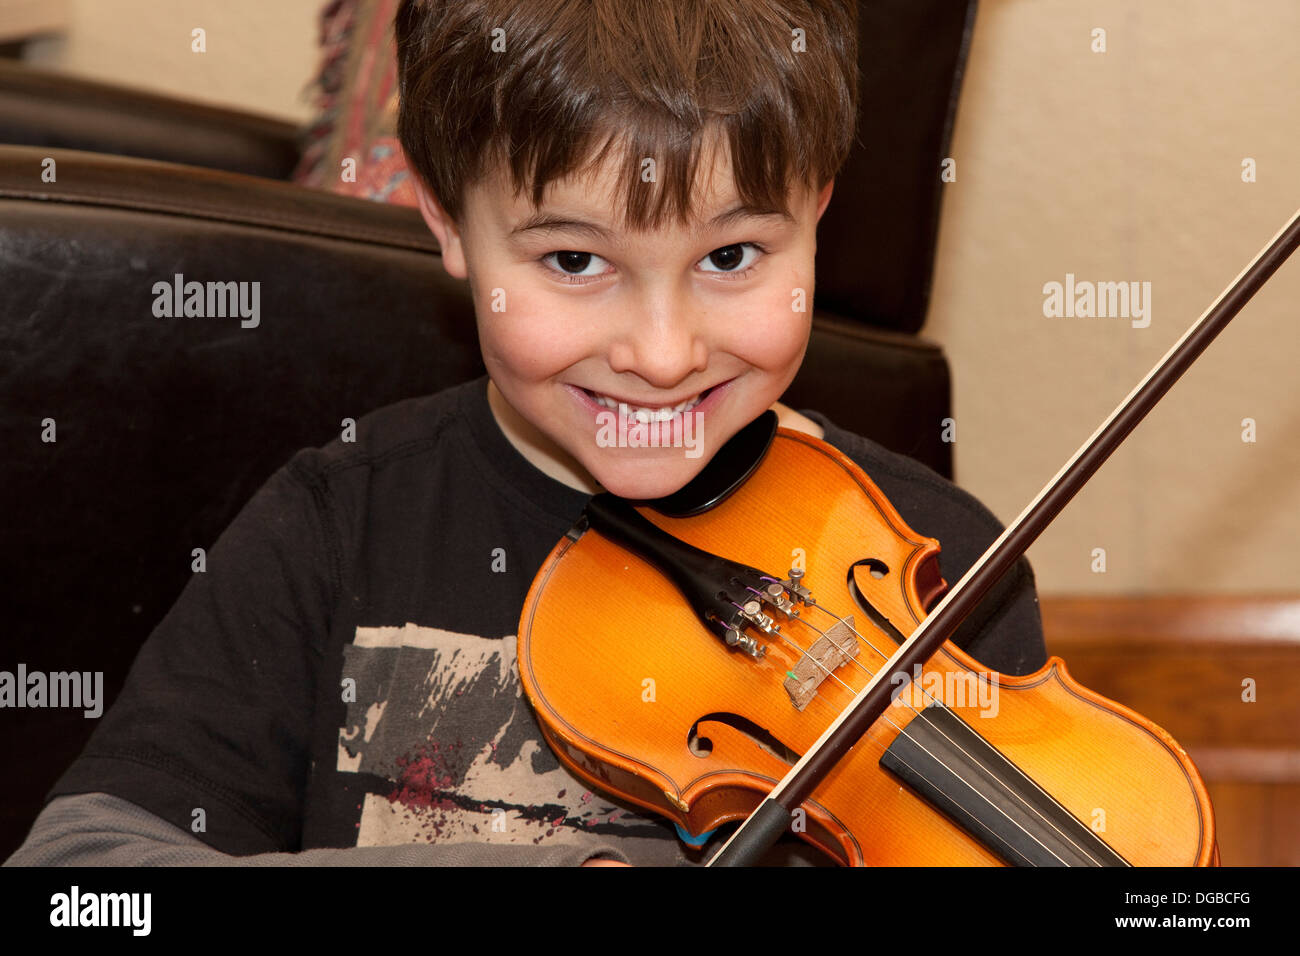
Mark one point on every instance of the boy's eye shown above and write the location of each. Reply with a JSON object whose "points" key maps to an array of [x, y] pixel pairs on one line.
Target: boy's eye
{"points": [[732, 258], [574, 263], [730, 261]]}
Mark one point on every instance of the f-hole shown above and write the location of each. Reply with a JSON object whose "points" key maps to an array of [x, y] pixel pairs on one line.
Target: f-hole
{"points": [[703, 746], [877, 567], [878, 570]]}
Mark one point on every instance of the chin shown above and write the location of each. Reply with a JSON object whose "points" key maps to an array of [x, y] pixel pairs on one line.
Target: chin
{"points": [[650, 478]]}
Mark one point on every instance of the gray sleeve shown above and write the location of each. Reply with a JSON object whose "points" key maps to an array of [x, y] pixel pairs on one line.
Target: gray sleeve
{"points": [[97, 829]]}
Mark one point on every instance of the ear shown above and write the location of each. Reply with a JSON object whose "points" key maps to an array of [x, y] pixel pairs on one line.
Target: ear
{"points": [[824, 199], [442, 226]]}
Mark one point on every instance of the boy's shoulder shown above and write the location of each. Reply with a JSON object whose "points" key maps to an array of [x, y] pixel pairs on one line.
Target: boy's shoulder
{"points": [[409, 428], [424, 464], [911, 486]]}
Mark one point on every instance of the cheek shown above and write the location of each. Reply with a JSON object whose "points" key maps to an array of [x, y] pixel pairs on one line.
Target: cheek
{"points": [[523, 333], [777, 330], [532, 341]]}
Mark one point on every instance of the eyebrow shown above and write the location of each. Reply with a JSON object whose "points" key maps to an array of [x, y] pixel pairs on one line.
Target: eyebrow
{"points": [[551, 222]]}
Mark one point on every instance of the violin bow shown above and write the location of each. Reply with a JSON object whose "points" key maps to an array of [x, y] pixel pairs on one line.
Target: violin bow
{"points": [[765, 825]]}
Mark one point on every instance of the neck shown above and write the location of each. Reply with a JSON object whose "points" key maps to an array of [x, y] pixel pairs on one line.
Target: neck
{"points": [[539, 450]]}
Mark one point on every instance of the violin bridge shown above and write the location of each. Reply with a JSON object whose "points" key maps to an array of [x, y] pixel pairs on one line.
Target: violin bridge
{"points": [[839, 644]]}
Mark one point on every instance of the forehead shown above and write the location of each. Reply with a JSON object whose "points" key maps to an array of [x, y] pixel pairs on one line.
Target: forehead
{"points": [[588, 202]]}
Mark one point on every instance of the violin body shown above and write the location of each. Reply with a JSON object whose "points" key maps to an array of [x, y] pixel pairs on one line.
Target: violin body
{"points": [[639, 698]]}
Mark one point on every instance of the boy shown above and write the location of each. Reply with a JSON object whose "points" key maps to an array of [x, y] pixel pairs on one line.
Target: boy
{"points": [[339, 685]]}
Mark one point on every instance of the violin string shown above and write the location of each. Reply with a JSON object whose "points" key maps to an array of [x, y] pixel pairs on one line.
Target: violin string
{"points": [[1034, 810], [903, 730], [910, 736], [851, 658], [1012, 793]]}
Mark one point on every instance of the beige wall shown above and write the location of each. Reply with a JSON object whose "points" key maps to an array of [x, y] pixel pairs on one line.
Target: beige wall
{"points": [[260, 53], [1126, 166]]}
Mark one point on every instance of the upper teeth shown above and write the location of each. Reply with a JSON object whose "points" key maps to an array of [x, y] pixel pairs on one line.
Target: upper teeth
{"points": [[647, 415]]}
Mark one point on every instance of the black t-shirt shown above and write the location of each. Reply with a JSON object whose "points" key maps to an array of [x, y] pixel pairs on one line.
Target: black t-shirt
{"points": [[343, 672]]}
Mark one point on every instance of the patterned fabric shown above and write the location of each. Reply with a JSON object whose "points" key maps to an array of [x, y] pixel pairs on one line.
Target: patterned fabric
{"points": [[356, 98], [441, 717]]}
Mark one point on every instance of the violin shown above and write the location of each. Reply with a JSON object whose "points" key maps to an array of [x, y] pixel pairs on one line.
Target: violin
{"points": [[770, 644], [636, 695]]}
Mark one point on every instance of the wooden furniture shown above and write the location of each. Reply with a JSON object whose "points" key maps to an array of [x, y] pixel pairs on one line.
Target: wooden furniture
{"points": [[1219, 673]]}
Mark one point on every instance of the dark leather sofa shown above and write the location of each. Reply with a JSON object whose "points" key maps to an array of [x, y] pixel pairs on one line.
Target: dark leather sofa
{"points": [[166, 427]]}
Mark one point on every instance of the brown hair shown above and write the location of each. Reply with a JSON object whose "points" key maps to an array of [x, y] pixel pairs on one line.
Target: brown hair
{"points": [[660, 75]]}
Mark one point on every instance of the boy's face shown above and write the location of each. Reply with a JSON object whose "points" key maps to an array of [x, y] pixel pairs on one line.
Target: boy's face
{"points": [[652, 319]]}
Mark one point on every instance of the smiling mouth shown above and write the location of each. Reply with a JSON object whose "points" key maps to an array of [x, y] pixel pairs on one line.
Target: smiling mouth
{"points": [[647, 413]]}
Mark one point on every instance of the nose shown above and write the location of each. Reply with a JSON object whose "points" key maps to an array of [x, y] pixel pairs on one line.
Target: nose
{"points": [[662, 341]]}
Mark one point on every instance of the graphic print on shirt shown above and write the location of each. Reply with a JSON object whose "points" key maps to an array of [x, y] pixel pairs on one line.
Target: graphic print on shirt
{"points": [[441, 716]]}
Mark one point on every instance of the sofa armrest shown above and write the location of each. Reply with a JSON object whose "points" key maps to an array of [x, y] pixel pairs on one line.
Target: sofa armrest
{"points": [[40, 108]]}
